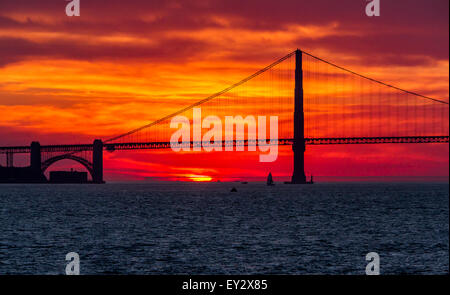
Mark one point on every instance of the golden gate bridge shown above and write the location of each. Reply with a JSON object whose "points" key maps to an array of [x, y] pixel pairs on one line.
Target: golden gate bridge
{"points": [[317, 102]]}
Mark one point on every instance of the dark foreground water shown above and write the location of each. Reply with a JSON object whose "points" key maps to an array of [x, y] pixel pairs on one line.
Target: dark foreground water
{"points": [[202, 228]]}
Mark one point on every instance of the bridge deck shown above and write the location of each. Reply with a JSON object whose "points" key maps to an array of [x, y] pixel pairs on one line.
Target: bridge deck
{"points": [[288, 141]]}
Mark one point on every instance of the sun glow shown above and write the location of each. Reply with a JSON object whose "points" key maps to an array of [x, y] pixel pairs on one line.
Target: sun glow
{"points": [[200, 178]]}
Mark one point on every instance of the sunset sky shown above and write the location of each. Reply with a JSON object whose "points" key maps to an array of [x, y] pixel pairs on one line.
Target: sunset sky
{"points": [[122, 64]]}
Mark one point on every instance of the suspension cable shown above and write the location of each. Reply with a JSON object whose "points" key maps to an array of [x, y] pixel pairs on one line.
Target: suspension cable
{"points": [[203, 100], [376, 81]]}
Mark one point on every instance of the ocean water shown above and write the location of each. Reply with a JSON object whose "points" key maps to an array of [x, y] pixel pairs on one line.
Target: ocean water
{"points": [[203, 228]]}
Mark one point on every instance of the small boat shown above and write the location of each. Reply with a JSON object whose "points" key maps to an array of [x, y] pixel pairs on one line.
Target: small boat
{"points": [[270, 180]]}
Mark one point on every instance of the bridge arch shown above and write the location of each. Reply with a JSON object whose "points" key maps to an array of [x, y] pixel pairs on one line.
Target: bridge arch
{"points": [[88, 165]]}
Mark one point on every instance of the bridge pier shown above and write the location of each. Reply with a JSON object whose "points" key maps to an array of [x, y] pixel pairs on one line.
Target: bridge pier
{"points": [[9, 159], [35, 157], [97, 161], [298, 147]]}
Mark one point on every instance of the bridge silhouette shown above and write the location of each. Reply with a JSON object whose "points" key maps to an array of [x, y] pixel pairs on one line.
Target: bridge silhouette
{"points": [[317, 103]]}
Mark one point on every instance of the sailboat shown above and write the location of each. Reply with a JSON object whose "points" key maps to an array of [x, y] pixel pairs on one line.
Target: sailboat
{"points": [[269, 179]]}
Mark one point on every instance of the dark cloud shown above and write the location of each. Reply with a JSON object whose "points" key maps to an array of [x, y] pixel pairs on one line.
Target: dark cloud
{"points": [[378, 48], [406, 31], [256, 12], [170, 50]]}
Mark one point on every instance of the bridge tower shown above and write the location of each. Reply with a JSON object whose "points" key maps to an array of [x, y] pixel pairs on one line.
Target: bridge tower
{"points": [[35, 157], [97, 161], [298, 147]]}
